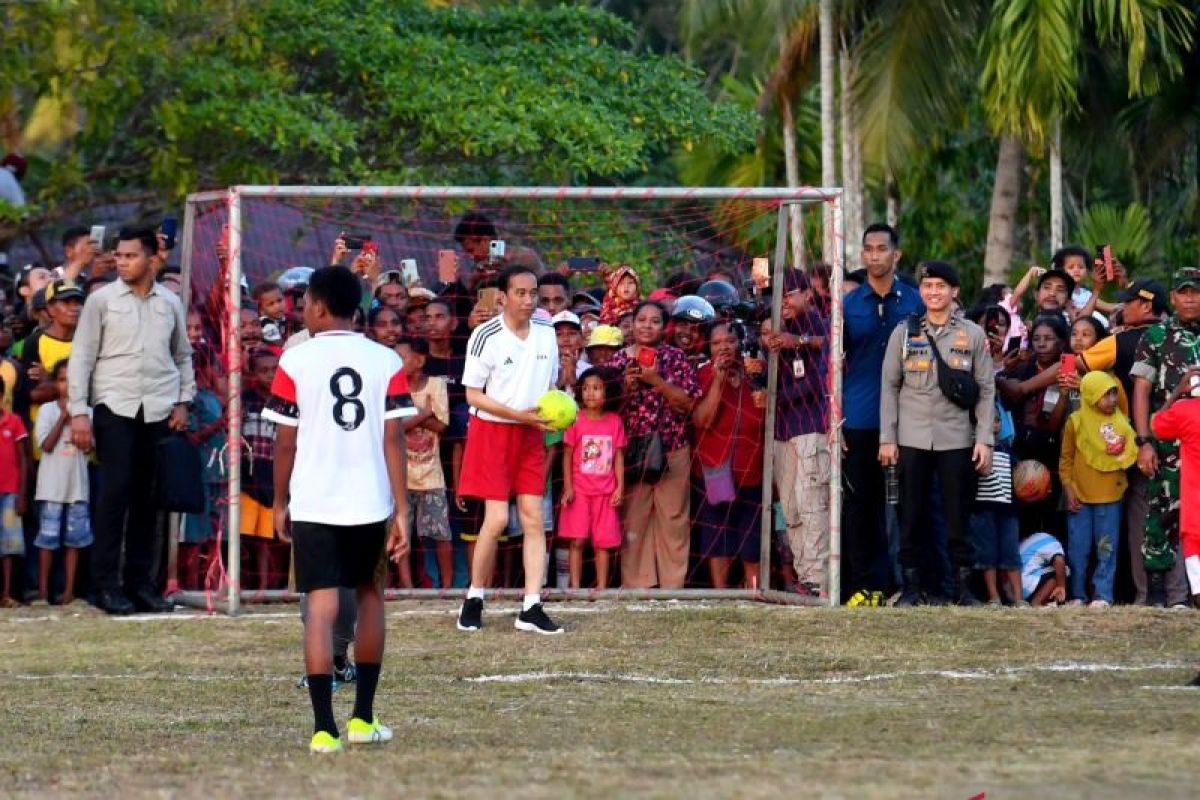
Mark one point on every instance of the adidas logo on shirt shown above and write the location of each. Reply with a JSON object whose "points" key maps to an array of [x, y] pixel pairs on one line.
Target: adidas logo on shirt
{"points": [[508, 361]]}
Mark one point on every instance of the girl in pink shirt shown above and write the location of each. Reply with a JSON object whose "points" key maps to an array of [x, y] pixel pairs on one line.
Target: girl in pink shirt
{"points": [[594, 473]]}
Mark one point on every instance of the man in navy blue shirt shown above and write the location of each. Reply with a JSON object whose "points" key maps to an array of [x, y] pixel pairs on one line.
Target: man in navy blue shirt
{"points": [[871, 313]]}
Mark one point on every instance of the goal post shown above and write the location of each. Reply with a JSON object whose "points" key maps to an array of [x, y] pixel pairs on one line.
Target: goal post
{"points": [[227, 210]]}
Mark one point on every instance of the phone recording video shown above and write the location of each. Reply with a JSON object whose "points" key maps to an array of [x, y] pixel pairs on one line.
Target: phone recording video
{"points": [[168, 228]]}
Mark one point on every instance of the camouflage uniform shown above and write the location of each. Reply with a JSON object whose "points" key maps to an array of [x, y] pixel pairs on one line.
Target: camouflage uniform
{"points": [[1165, 354]]}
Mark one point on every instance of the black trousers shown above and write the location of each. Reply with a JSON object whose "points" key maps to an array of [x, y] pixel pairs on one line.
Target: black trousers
{"points": [[864, 544], [125, 511], [956, 474]]}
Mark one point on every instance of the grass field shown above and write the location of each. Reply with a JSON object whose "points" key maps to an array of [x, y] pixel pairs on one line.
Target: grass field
{"points": [[646, 699]]}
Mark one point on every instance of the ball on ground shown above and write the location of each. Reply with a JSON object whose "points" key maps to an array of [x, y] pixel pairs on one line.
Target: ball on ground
{"points": [[557, 408]]}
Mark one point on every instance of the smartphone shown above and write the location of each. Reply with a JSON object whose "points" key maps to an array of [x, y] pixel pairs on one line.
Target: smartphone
{"points": [[496, 248], [1106, 254], [1014, 344], [409, 272], [97, 237], [169, 227], [583, 263], [646, 356], [371, 247], [447, 264], [489, 298], [1068, 364], [353, 242]]}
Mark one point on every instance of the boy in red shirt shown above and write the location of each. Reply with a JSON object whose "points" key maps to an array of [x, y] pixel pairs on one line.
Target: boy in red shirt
{"points": [[14, 477], [1180, 419]]}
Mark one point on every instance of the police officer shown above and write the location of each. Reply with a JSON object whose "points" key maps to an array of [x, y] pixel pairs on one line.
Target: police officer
{"points": [[923, 429]]}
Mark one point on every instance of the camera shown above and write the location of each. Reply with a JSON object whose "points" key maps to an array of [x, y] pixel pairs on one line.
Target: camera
{"points": [[354, 242]]}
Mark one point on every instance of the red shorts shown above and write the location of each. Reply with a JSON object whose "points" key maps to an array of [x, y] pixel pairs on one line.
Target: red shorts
{"points": [[502, 460]]}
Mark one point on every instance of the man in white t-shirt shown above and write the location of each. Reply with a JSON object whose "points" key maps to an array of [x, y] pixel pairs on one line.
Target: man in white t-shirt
{"points": [[339, 401], [512, 360]]}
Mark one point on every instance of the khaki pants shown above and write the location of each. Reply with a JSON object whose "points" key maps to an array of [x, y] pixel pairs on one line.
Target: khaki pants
{"points": [[802, 479], [657, 528]]}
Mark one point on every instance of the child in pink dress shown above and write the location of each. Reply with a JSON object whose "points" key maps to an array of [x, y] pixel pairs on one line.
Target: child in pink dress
{"points": [[594, 474]]}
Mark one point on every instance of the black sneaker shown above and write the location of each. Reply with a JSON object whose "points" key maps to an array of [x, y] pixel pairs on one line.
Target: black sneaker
{"points": [[535, 621], [470, 618]]}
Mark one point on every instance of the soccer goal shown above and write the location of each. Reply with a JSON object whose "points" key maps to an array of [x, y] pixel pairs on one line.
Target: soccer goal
{"points": [[236, 240]]}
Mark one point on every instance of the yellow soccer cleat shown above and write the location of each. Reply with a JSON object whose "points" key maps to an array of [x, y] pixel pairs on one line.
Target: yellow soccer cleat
{"points": [[324, 742], [359, 731]]}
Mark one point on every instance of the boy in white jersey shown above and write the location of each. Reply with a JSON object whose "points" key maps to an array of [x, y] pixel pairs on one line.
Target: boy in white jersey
{"points": [[339, 401], [512, 359]]}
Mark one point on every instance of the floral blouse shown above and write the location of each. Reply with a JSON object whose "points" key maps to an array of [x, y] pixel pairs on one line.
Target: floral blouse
{"points": [[646, 411]]}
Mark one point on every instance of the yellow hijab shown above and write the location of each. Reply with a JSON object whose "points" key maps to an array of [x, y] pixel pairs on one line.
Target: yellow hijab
{"points": [[1105, 441]]}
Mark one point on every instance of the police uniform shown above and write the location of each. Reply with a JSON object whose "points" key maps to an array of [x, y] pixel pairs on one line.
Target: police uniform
{"points": [[932, 432]]}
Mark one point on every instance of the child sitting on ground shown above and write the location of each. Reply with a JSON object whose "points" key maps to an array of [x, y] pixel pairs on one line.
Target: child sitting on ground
{"points": [[622, 295], [1097, 447], [15, 458], [62, 491], [1043, 570]]}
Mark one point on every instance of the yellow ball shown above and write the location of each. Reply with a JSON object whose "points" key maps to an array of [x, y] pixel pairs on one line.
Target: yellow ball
{"points": [[558, 408]]}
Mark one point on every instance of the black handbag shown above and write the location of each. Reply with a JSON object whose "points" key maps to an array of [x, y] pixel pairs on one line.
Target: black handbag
{"points": [[645, 460], [179, 480], [958, 385]]}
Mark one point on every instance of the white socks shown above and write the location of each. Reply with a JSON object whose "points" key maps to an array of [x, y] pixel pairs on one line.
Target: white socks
{"points": [[531, 600], [474, 593]]}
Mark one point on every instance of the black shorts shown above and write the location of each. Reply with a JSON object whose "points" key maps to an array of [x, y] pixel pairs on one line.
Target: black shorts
{"points": [[333, 556]]}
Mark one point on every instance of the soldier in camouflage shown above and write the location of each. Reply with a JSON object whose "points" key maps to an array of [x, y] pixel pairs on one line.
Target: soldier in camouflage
{"points": [[1164, 356]]}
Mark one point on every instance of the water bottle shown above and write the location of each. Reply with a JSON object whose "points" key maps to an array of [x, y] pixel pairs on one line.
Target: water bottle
{"points": [[891, 484]]}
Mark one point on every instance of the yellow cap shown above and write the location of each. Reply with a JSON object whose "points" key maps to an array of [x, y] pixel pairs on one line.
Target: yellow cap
{"points": [[606, 336]]}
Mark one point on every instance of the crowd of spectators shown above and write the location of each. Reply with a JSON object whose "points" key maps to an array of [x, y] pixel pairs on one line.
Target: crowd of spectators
{"points": [[948, 413]]}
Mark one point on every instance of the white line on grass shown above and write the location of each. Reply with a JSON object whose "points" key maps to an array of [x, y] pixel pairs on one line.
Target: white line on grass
{"points": [[951, 674], [607, 677], [499, 608]]}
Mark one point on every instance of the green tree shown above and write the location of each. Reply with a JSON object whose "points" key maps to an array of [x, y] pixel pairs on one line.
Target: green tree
{"points": [[154, 99]]}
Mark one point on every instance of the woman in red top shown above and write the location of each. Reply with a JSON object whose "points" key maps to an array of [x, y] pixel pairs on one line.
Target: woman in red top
{"points": [[729, 448]]}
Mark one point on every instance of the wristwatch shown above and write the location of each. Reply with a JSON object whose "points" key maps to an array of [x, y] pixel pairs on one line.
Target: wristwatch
{"points": [[1141, 441]]}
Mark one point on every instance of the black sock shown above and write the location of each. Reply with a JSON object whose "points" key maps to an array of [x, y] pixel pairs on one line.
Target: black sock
{"points": [[320, 692], [364, 693]]}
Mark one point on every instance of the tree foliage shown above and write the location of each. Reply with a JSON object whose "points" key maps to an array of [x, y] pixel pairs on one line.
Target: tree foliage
{"points": [[174, 95]]}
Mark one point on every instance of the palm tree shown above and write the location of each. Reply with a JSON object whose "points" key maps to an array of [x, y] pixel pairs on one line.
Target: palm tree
{"points": [[1032, 65]]}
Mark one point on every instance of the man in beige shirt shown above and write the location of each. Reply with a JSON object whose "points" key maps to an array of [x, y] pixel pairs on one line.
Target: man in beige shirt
{"points": [[922, 431], [132, 363]]}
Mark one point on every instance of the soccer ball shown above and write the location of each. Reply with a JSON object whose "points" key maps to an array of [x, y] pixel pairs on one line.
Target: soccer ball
{"points": [[1031, 481], [558, 408]]}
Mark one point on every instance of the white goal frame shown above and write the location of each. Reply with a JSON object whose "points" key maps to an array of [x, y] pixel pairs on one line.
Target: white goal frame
{"points": [[790, 200]]}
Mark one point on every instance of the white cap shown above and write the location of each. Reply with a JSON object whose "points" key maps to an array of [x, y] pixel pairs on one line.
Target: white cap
{"points": [[566, 317]]}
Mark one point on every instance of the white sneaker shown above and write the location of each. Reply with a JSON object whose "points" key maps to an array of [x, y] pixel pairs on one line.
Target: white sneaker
{"points": [[1074, 604], [1101, 604]]}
